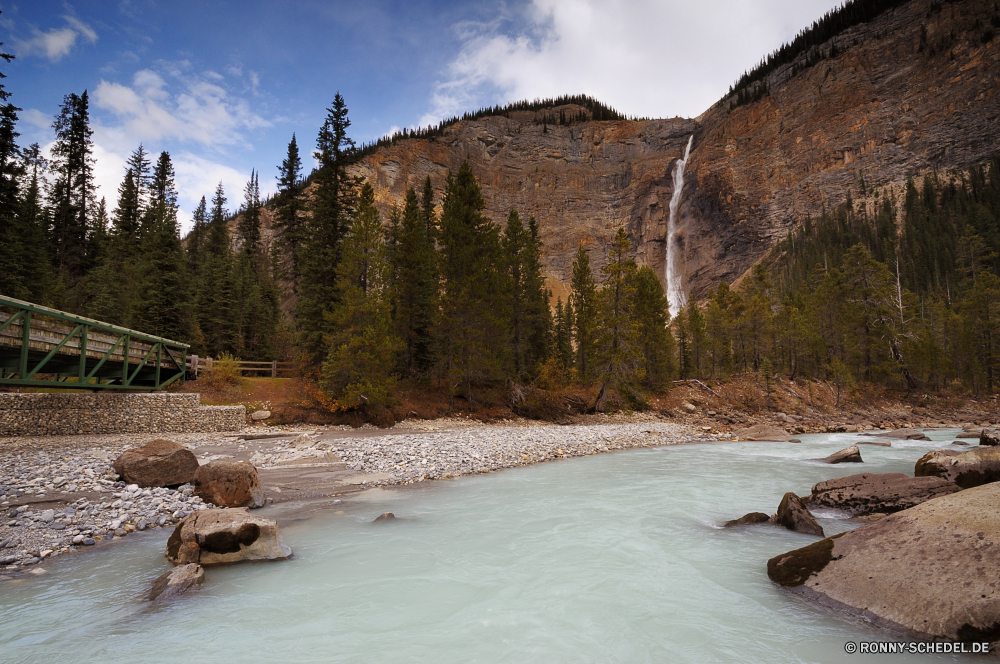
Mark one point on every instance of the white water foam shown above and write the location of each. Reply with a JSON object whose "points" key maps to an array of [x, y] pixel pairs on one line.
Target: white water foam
{"points": [[676, 297]]}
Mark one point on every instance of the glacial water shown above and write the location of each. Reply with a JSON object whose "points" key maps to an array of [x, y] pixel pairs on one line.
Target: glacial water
{"points": [[609, 558]]}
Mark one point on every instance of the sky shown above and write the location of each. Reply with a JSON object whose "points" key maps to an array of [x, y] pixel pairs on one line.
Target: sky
{"points": [[222, 86]]}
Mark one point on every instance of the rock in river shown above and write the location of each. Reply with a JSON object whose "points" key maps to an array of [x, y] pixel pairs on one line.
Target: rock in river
{"points": [[869, 493], [229, 484], [766, 432], [847, 455], [989, 437], [792, 514], [157, 463], [221, 536], [980, 465], [928, 571], [900, 434], [176, 581], [747, 519]]}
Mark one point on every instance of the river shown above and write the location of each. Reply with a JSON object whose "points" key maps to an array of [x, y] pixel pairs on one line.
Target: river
{"points": [[609, 558]]}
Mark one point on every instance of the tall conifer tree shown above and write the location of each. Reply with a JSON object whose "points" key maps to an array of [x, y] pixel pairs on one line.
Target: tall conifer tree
{"points": [[287, 207], [585, 314], [332, 207], [474, 321], [358, 368]]}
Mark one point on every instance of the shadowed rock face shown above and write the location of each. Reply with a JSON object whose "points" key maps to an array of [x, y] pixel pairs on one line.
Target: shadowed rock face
{"points": [[868, 493], [881, 110], [927, 570], [792, 514]]}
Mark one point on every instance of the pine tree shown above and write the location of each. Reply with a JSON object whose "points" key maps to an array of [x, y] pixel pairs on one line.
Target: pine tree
{"points": [[415, 282], [585, 314], [530, 319], [72, 193], [656, 343], [474, 321], [29, 275], [14, 251], [333, 205], [699, 336], [537, 310], [357, 371], [515, 245], [427, 211], [287, 207], [248, 228], [618, 357], [215, 288], [163, 306], [255, 294], [197, 239], [142, 175]]}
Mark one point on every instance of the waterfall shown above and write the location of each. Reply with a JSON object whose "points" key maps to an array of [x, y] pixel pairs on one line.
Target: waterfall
{"points": [[676, 297]]}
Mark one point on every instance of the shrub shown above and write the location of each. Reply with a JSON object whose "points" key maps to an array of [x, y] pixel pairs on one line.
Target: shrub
{"points": [[225, 373]]}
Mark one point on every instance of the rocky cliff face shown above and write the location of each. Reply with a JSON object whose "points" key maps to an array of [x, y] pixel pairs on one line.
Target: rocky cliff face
{"points": [[915, 89]]}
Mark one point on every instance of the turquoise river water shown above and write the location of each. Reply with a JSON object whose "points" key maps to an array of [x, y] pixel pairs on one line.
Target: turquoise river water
{"points": [[609, 558]]}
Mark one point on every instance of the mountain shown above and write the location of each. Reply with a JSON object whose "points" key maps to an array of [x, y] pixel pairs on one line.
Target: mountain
{"points": [[913, 89]]}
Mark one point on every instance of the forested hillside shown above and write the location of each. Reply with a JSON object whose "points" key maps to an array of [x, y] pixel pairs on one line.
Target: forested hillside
{"points": [[898, 293]]}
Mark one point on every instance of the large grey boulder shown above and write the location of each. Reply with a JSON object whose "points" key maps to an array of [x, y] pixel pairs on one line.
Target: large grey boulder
{"points": [[766, 433], [222, 536], [157, 463], [928, 571], [847, 455], [980, 465], [176, 581], [229, 484], [792, 514], [869, 493]]}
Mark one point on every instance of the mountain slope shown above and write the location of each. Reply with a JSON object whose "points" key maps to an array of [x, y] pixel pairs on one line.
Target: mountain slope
{"points": [[914, 89]]}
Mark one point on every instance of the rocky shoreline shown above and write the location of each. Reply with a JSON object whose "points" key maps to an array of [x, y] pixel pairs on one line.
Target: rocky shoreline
{"points": [[60, 495]]}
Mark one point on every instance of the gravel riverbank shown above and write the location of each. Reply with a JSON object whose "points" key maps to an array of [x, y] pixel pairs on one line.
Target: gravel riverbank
{"points": [[403, 458], [59, 494]]}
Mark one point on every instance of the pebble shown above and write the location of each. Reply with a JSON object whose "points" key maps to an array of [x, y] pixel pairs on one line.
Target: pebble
{"points": [[60, 468], [425, 455]]}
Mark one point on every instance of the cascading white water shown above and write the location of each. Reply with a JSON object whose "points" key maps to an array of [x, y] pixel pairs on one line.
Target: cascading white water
{"points": [[676, 297]]}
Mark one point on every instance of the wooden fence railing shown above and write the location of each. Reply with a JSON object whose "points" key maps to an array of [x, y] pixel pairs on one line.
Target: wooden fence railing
{"points": [[273, 369]]}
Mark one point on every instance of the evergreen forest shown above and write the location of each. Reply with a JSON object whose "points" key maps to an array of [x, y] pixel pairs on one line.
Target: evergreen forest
{"points": [[902, 293]]}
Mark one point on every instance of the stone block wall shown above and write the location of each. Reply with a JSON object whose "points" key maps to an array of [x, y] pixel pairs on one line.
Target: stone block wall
{"points": [[59, 414]]}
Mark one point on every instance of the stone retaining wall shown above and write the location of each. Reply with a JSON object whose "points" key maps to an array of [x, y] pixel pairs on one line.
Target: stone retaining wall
{"points": [[95, 413]]}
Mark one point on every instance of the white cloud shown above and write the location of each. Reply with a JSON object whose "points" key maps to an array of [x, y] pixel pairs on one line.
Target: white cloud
{"points": [[197, 177], [57, 42], [191, 115], [657, 58], [35, 118], [192, 110]]}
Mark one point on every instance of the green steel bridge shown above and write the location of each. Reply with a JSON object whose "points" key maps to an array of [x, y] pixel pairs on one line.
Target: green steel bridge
{"points": [[42, 347]]}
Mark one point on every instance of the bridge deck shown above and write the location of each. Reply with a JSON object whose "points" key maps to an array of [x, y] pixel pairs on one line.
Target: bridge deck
{"points": [[40, 345]]}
